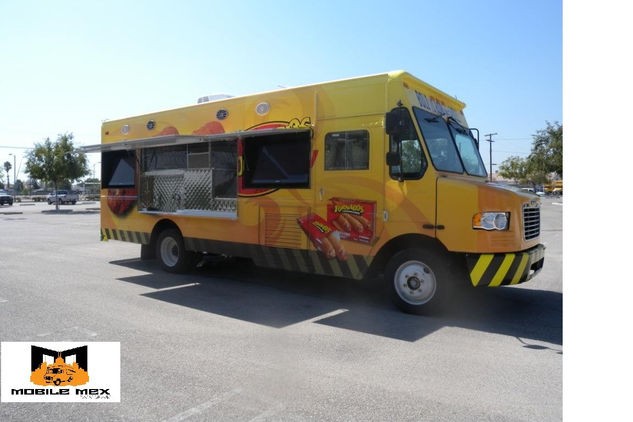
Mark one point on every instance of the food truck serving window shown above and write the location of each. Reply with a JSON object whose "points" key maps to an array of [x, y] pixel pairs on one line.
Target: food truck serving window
{"points": [[277, 161], [164, 158], [118, 169]]}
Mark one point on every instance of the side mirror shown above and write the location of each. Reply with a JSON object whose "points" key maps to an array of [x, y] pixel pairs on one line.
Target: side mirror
{"points": [[391, 122], [393, 159], [395, 121]]}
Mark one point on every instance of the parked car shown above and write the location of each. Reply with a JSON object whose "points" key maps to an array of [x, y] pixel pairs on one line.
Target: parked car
{"points": [[5, 198], [63, 197]]}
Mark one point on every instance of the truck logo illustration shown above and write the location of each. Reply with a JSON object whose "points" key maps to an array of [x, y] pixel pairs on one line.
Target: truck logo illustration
{"points": [[59, 373]]}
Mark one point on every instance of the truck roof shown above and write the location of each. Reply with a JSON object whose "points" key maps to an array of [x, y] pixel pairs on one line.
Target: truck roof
{"points": [[296, 107], [387, 76]]}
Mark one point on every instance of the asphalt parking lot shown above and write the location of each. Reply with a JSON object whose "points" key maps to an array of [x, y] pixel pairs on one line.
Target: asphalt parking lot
{"points": [[232, 342]]}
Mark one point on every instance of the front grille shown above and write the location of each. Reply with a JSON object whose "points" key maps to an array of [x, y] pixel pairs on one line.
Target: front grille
{"points": [[531, 221]]}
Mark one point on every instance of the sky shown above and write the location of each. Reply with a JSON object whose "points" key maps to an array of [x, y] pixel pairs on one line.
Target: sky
{"points": [[67, 66]]}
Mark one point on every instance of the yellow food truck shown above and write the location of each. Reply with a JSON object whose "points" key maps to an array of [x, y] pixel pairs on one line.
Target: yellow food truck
{"points": [[371, 175]]}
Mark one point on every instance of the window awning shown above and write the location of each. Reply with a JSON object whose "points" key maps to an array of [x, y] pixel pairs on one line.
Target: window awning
{"points": [[161, 141]]}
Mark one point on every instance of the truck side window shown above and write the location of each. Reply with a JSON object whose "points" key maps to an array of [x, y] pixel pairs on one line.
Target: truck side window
{"points": [[413, 163], [164, 158], [347, 150], [277, 161], [198, 155], [118, 169], [224, 168]]}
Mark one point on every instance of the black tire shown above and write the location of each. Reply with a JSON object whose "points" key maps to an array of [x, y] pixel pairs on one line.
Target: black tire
{"points": [[57, 381], [421, 281], [74, 202], [171, 252]]}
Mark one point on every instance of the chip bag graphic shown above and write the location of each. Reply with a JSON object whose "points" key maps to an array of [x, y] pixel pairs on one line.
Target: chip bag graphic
{"points": [[353, 219], [323, 236]]}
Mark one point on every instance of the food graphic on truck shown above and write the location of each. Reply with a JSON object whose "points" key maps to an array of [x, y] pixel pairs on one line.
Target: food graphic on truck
{"points": [[376, 175]]}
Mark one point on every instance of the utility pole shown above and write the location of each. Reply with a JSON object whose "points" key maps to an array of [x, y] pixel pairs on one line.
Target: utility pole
{"points": [[13, 176], [490, 135]]}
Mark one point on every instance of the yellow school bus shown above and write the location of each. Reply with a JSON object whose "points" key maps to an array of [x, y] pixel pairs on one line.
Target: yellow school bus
{"points": [[371, 175]]}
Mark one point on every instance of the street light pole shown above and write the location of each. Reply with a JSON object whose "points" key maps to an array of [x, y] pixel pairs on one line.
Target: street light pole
{"points": [[13, 175], [490, 135]]}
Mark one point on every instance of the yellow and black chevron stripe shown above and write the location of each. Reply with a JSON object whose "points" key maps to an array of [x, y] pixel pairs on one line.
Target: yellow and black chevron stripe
{"points": [[504, 269], [125, 235], [356, 266]]}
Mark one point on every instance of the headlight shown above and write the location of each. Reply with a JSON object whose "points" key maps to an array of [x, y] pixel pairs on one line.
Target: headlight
{"points": [[491, 220]]}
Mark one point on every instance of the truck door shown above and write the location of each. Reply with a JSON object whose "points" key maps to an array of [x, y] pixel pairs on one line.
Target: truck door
{"points": [[409, 188], [348, 187]]}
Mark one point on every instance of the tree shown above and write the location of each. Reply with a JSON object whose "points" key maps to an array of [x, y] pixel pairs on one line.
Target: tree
{"points": [[545, 158], [18, 185], [7, 167], [57, 162], [514, 168], [547, 151]]}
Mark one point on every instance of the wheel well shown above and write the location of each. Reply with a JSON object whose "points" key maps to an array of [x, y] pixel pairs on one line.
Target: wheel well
{"points": [[397, 244], [159, 227]]}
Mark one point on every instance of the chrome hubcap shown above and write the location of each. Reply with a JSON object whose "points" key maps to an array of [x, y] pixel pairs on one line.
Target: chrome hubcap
{"points": [[169, 252], [415, 282]]}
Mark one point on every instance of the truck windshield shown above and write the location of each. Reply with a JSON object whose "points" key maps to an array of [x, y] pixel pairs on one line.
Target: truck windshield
{"points": [[467, 148], [439, 141], [451, 146]]}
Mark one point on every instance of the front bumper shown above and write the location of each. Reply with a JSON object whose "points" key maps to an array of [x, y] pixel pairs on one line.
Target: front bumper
{"points": [[505, 268]]}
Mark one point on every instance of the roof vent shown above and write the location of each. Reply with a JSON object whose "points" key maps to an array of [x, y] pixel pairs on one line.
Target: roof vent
{"points": [[213, 97]]}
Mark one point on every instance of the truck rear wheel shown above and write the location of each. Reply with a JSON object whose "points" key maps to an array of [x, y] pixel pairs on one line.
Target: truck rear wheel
{"points": [[170, 249], [420, 280]]}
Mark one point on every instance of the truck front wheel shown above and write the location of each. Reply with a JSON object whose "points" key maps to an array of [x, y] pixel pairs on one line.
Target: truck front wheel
{"points": [[170, 249], [420, 280]]}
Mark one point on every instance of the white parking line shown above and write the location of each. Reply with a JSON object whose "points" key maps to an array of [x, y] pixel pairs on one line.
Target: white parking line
{"points": [[204, 406], [180, 286], [2, 300], [319, 317]]}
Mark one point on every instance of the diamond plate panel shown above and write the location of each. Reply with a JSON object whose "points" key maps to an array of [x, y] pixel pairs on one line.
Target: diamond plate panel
{"points": [[162, 192], [198, 189], [193, 189], [224, 204]]}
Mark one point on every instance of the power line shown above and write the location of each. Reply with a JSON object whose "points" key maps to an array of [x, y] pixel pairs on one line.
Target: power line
{"points": [[514, 139], [513, 152]]}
